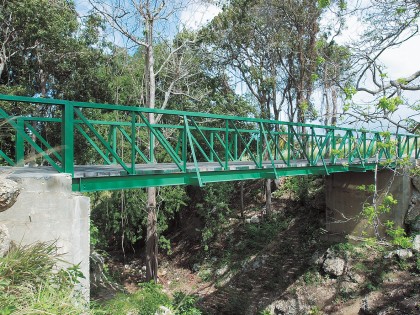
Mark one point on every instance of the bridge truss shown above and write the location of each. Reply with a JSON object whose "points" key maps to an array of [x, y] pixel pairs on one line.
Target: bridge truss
{"points": [[126, 151]]}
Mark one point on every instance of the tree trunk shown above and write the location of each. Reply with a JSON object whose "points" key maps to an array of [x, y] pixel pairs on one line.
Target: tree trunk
{"points": [[242, 201], [268, 198], [152, 237], [334, 103]]}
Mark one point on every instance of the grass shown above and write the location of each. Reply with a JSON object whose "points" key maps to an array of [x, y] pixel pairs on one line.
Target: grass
{"points": [[30, 283]]}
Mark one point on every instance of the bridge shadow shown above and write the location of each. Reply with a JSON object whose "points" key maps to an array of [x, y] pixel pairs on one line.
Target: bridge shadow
{"points": [[247, 281]]}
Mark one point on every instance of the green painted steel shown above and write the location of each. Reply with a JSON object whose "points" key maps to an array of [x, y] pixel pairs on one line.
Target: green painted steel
{"points": [[72, 135]]}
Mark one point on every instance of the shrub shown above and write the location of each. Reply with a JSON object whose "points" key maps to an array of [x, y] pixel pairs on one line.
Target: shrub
{"points": [[146, 301], [31, 284]]}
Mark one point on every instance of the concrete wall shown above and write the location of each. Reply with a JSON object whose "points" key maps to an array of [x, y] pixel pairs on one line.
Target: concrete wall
{"points": [[47, 210], [345, 202]]}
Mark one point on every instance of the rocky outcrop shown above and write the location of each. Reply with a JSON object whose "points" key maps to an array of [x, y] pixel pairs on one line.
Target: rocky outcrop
{"points": [[416, 244], [98, 278], [331, 263], [4, 240], [9, 191], [289, 306], [412, 218]]}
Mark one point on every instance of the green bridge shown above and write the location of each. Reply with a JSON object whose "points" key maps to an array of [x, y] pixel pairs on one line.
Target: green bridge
{"points": [[191, 148]]}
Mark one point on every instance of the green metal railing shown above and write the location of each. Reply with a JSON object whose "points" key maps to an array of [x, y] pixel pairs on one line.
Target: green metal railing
{"points": [[64, 134]]}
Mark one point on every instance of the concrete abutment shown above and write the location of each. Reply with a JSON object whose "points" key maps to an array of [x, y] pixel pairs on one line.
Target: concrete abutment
{"points": [[345, 200], [47, 210]]}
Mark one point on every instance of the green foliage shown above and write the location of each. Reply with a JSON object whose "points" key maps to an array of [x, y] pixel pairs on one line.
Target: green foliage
{"points": [[337, 153], [311, 277], [30, 284], [185, 304], [390, 104], [371, 212], [214, 207], [121, 215], [368, 188], [256, 235], [324, 3], [398, 235], [145, 301], [349, 92], [315, 310], [299, 186]]}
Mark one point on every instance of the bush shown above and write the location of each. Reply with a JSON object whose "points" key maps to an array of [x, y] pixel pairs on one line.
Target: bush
{"points": [[121, 215], [185, 304], [214, 208], [146, 301], [31, 284]]}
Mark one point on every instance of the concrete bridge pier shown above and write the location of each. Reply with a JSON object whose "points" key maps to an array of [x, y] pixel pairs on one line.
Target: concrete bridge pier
{"points": [[345, 201], [47, 210]]}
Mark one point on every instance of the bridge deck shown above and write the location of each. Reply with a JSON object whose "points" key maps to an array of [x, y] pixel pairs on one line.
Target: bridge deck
{"points": [[202, 148], [102, 177]]}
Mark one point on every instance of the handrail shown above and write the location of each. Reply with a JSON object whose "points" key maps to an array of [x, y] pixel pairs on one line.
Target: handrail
{"points": [[188, 137]]}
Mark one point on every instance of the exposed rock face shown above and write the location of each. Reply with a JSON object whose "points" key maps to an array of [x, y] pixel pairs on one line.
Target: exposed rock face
{"points": [[9, 191], [163, 310], [416, 182], [416, 244], [413, 214], [98, 278], [291, 306], [333, 265], [4, 240], [400, 253], [412, 217]]}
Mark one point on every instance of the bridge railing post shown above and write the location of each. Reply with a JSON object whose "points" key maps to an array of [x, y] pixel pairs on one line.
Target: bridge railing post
{"points": [[289, 143], [133, 143], [67, 137], [112, 139], [226, 144], [364, 155], [184, 146], [333, 146], [211, 146], [19, 142]]}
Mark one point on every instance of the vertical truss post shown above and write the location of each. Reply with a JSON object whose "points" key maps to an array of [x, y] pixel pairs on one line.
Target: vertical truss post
{"points": [[399, 146], [211, 146], [289, 144], [312, 145], [333, 146], [151, 142], [276, 138], [235, 146], [112, 139], [364, 146], [20, 142], [226, 144], [260, 147], [350, 153], [184, 146], [133, 143], [67, 137]]}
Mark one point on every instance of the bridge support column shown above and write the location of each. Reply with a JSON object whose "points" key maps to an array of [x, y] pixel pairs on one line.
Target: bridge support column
{"points": [[345, 201], [47, 210]]}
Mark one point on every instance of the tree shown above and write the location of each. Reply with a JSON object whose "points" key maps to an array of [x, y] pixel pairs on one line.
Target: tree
{"points": [[271, 48], [47, 51], [143, 23], [399, 24]]}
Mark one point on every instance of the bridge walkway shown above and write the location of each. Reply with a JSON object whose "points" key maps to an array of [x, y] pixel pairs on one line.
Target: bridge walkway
{"points": [[124, 150]]}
